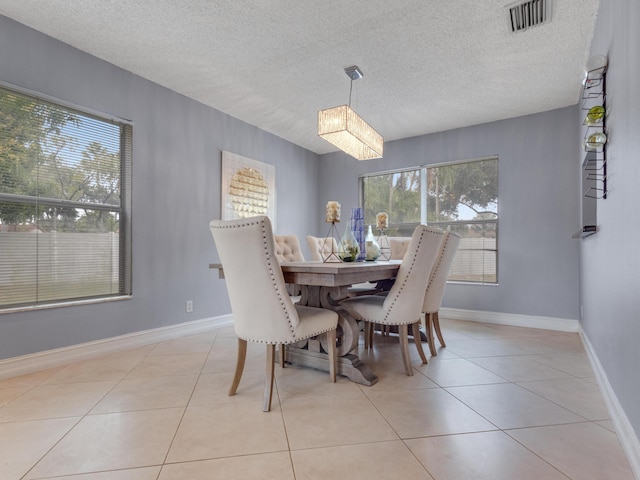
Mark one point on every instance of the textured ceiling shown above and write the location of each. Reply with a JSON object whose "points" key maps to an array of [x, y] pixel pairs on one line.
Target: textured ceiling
{"points": [[429, 65]]}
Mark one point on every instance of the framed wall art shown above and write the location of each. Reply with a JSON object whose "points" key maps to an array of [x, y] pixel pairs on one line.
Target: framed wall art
{"points": [[248, 188]]}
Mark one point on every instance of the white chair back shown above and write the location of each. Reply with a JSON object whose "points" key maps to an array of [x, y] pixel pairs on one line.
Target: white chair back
{"points": [[288, 248], [398, 247], [403, 303], [438, 280], [262, 309], [321, 247]]}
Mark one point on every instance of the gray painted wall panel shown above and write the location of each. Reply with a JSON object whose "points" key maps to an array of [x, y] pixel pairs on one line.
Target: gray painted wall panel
{"points": [[610, 260]]}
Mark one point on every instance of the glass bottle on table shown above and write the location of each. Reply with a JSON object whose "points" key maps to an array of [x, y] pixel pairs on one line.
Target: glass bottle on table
{"points": [[372, 248], [349, 249]]}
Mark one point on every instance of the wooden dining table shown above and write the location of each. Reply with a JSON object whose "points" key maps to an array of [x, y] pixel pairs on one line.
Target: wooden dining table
{"points": [[324, 285]]}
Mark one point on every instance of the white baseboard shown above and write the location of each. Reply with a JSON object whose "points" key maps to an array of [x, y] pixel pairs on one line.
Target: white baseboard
{"points": [[15, 366], [626, 433], [513, 319]]}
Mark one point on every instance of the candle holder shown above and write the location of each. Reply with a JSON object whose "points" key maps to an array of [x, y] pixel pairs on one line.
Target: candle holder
{"points": [[383, 243], [332, 217], [332, 256], [382, 222]]}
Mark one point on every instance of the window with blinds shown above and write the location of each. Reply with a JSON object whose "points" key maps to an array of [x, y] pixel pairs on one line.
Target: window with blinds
{"points": [[461, 196], [64, 203]]}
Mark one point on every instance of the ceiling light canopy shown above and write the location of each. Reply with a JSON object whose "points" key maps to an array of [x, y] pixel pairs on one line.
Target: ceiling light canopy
{"points": [[344, 128]]}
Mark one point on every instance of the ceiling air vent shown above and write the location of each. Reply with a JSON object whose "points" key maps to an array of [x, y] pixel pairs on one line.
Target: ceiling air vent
{"points": [[525, 15]]}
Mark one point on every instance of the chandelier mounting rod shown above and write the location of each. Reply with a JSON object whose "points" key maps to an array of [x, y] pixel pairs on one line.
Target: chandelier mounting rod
{"points": [[354, 73]]}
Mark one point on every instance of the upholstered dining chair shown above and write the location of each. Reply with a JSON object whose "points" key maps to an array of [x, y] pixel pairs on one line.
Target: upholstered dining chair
{"points": [[398, 247], [433, 296], [435, 290], [262, 309], [321, 247], [403, 303], [288, 248]]}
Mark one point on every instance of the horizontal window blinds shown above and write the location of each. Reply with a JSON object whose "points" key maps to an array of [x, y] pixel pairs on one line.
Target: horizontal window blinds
{"points": [[61, 203], [463, 196]]}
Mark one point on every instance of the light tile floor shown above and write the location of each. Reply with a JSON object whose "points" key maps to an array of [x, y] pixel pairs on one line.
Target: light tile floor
{"points": [[498, 403]]}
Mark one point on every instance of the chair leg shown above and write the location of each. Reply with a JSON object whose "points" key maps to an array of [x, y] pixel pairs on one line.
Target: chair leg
{"points": [[283, 355], [268, 379], [403, 330], [415, 329], [368, 335], [242, 355], [331, 341], [429, 330], [372, 333], [436, 325]]}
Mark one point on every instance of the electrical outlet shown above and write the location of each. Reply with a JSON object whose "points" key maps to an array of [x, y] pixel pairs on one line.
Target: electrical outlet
{"points": [[189, 306]]}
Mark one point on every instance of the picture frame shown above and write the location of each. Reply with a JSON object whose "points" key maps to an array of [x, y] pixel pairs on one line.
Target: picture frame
{"points": [[248, 188]]}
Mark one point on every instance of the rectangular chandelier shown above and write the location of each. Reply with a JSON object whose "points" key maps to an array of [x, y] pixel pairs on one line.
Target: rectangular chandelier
{"points": [[347, 130]]}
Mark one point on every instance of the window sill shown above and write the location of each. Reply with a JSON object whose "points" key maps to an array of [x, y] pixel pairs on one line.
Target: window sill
{"points": [[73, 303]]}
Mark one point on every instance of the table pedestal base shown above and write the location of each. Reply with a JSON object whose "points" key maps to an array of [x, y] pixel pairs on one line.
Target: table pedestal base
{"points": [[312, 353], [348, 365]]}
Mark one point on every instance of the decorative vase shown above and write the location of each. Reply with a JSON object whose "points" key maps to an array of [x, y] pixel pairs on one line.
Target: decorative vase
{"points": [[357, 227], [349, 249], [371, 247]]}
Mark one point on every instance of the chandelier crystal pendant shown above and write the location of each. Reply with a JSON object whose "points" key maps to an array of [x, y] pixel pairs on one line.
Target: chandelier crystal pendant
{"points": [[344, 128]]}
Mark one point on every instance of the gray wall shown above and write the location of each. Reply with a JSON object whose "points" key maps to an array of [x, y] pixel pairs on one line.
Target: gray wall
{"points": [[610, 260], [176, 191], [538, 265]]}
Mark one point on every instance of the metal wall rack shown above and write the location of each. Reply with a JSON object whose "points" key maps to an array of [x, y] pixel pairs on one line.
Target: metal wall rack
{"points": [[595, 160], [594, 165]]}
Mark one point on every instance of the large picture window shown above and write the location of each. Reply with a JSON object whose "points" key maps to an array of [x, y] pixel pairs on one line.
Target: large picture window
{"points": [[64, 203], [462, 196]]}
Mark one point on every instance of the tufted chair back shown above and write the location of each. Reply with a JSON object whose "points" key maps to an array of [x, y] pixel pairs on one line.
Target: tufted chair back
{"points": [[288, 248], [262, 309], [321, 247], [398, 246], [403, 303], [437, 282]]}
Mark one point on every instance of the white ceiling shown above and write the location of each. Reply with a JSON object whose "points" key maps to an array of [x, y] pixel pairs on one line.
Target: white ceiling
{"points": [[429, 65]]}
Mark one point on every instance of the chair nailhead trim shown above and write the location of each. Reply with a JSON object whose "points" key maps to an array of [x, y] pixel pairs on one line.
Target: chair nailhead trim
{"points": [[273, 277], [437, 267]]}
